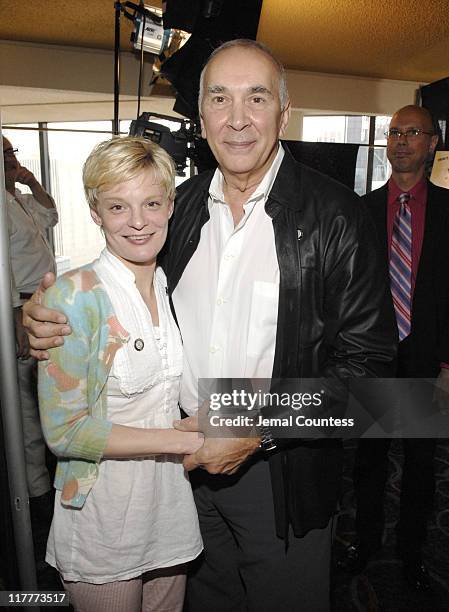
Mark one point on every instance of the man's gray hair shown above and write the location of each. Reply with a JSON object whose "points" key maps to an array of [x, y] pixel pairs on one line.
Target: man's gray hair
{"points": [[249, 44]]}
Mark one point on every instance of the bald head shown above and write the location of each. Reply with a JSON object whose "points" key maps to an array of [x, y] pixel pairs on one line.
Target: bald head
{"points": [[412, 111], [411, 144]]}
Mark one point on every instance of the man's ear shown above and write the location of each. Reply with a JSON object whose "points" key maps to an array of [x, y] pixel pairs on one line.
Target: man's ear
{"points": [[433, 144], [203, 129], [96, 217], [285, 116]]}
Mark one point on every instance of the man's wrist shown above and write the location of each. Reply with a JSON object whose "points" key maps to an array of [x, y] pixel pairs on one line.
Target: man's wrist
{"points": [[267, 442]]}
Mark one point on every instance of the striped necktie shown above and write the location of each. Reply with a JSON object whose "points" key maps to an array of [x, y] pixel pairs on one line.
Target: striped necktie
{"points": [[401, 266]]}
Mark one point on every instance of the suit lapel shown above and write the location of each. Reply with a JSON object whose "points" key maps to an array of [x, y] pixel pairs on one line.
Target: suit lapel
{"points": [[428, 245], [434, 225]]}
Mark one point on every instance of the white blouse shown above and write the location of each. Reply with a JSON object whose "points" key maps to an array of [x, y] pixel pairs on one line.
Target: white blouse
{"points": [[140, 514]]}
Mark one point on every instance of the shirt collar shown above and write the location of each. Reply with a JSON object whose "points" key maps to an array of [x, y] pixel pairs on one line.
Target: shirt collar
{"points": [[121, 272], [262, 190], [418, 192]]}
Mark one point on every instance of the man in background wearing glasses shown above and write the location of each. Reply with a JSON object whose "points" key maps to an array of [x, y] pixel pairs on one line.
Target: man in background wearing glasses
{"points": [[412, 219], [29, 216]]}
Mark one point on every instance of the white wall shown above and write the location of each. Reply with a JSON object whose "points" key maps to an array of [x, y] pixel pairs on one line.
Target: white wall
{"points": [[53, 83], [329, 93]]}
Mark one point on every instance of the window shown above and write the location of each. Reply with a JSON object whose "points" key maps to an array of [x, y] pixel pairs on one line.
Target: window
{"points": [[336, 128], [77, 238], [381, 165], [372, 166]]}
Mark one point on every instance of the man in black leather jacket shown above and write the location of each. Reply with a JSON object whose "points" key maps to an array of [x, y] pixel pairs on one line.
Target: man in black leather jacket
{"points": [[266, 515], [334, 320]]}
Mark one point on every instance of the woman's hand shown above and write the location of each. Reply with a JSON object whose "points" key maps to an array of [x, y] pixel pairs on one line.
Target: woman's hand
{"points": [[190, 442]]}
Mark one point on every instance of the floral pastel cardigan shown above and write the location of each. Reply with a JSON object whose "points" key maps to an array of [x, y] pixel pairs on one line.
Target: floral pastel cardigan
{"points": [[72, 383]]}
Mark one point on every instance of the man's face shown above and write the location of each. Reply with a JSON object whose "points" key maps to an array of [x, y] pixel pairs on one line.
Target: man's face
{"points": [[409, 155], [10, 162], [241, 115]]}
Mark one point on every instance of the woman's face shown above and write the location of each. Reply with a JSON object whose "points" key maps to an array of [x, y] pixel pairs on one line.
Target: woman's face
{"points": [[134, 217]]}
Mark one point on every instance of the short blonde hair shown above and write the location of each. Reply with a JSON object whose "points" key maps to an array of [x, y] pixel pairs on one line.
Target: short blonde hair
{"points": [[119, 160]]}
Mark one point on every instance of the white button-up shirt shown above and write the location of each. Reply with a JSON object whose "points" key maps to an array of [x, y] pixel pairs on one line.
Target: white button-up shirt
{"points": [[30, 252], [226, 301]]}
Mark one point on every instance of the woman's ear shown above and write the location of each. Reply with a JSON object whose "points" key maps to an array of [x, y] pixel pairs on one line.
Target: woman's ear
{"points": [[96, 217]]}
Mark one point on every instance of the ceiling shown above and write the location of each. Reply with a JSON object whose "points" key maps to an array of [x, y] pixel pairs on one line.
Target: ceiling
{"points": [[400, 39]]}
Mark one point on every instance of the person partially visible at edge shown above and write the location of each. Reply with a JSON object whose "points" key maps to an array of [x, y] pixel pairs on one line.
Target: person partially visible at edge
{"points": [[124, 521], [29, 216], [272, 271], [424, 346]]}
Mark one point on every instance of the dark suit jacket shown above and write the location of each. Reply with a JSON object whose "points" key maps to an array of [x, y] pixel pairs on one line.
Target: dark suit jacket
{"points": [[428, 344]]}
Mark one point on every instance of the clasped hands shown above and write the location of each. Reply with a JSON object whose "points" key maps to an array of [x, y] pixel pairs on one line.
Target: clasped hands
{"points": [[217, 455]]}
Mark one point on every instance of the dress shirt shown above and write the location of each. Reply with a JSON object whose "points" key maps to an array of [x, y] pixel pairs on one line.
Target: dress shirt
{"points": [[417, 203], [226, 301], [30, 252]]}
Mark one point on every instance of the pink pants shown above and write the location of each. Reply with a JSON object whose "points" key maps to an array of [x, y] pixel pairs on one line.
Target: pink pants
{"points": [[160, 590]]}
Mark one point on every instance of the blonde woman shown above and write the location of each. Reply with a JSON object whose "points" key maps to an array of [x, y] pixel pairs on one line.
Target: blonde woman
{"points": [[125, 521]]}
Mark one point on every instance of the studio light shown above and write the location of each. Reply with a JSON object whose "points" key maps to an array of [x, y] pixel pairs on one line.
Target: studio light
{"points": [[149, 32]]}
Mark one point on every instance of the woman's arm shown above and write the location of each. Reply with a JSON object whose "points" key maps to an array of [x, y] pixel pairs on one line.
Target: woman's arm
{"points": [[128, 442], [69, 427]]}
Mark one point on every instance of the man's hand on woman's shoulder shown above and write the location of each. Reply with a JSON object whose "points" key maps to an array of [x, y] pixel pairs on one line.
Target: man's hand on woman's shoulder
{"points": [[46, 328]]}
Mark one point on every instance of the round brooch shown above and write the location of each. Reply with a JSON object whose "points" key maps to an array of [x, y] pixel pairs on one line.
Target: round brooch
{"points": [[139, 344]]}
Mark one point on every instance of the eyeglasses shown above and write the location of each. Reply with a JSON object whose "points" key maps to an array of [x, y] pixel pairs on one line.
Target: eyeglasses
{"points": [[9, 152], [410, 134]]}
